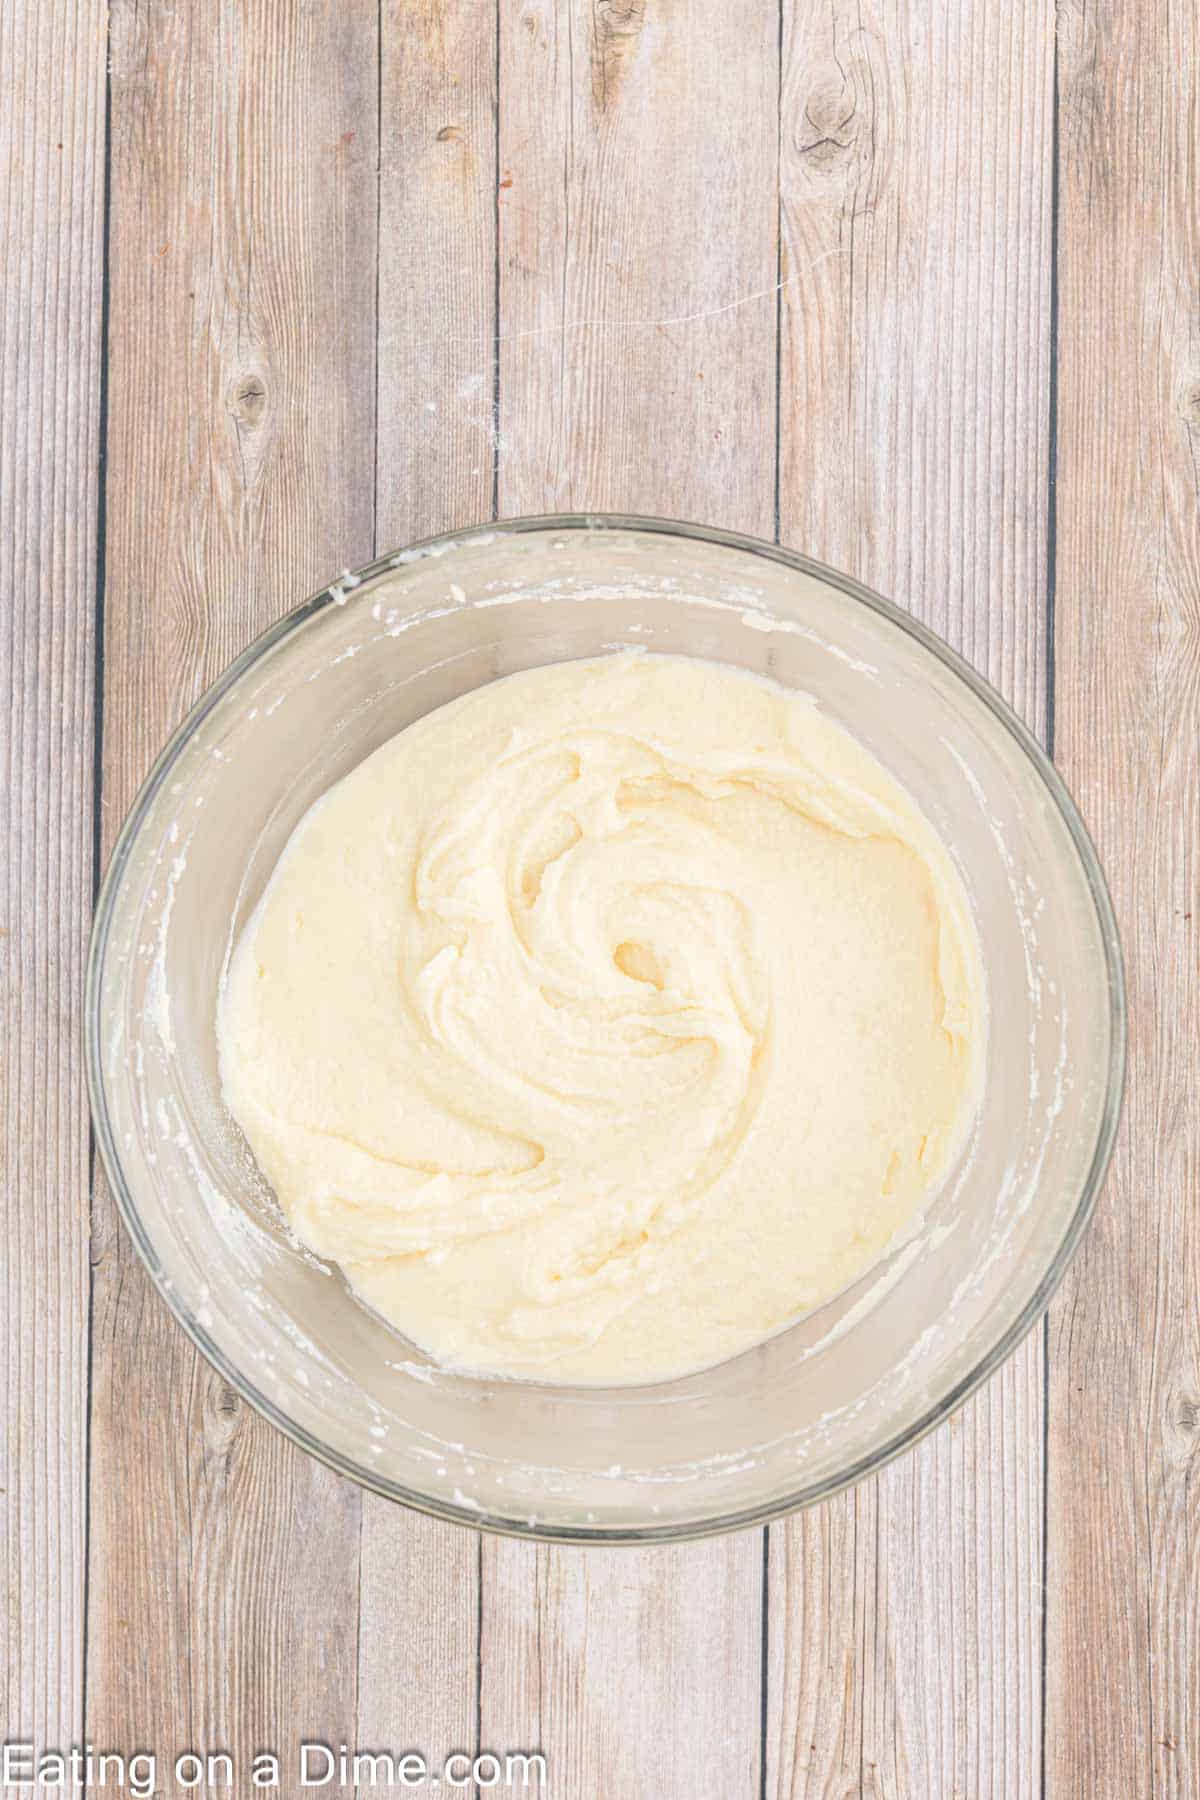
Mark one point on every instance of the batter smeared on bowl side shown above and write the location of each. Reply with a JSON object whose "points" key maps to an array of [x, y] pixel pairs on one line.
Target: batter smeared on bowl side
{"points": [[607, 1019]]}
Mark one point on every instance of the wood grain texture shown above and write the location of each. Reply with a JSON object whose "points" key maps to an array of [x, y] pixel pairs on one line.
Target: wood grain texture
{"points": [[418, 1635], [633, 1671], [638, 202], [903, 1620], [638, 250], [51, 208], [437, 267], [223, 1595], [1123, 1626]]}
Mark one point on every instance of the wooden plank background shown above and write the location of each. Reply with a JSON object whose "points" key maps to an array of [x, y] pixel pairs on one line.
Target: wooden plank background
{"points": [[1123, 1649], [904, 1619], [913, 287], [51, 204]]}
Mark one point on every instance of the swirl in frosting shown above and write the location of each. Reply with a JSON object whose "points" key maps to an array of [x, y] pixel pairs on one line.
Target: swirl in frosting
{"points": [[607, 1019]]}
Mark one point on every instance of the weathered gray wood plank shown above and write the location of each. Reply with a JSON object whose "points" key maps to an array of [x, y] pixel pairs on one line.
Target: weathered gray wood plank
{"points": [[51, 224], [418, 1638], [904, 1619], [224, 1564], [1123, 1624], [437, 267], [637, 206]]}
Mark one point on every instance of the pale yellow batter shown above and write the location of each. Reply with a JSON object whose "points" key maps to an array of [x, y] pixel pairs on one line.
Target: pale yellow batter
{"points": [[607, 1019]]}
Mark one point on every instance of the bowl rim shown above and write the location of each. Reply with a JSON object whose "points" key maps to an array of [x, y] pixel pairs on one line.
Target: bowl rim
{"points": [[804, 1495]]}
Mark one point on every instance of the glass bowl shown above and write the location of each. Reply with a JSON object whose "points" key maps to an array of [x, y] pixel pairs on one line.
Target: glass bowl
{"points": [[816, 1407]]}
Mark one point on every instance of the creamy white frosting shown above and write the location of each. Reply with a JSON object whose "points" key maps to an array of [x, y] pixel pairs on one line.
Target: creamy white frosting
{"points": [[607, 1019]]}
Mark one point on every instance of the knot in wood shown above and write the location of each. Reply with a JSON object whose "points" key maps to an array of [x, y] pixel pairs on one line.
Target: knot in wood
{"points": [[828, 128], [248, 399], [616, 29]]}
